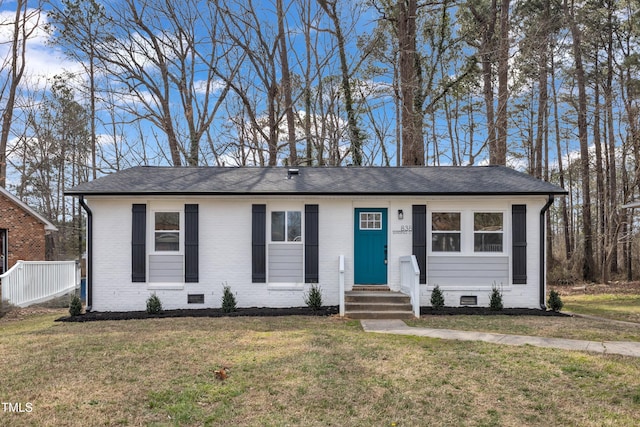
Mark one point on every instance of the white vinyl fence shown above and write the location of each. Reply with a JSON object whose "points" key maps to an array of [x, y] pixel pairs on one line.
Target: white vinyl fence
{"points": [[32, 282]]}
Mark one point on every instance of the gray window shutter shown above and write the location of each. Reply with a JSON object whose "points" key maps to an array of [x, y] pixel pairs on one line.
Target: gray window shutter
{"points": [[419, 229], [139, 243], [311, 254], [258, 243], [191, 243], [519, 248]]}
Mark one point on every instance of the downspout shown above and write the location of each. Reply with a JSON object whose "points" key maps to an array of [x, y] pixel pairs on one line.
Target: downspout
{"points": [[543, 251], [89, 253]]}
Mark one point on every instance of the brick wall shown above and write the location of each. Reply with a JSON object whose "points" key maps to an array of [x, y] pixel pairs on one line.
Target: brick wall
{"points": [[26, 235]]}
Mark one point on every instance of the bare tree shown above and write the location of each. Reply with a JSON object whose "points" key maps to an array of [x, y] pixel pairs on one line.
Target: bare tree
{"points": [[163, 54], [23, 26], [355, 134], [286, 85], [588, 261]]}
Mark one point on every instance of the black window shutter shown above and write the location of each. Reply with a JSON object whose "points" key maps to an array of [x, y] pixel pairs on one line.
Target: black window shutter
{"points": [[191, 243], [138, 243], [419, 228], [519, 239], [311, 243], [258, 245]]}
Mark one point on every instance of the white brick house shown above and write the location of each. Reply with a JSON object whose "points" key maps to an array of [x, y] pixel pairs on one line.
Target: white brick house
{"points": [[270, 233]]}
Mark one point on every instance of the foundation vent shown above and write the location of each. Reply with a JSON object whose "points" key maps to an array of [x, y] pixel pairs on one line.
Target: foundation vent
{"points": [[195, 299], [468, 300]]}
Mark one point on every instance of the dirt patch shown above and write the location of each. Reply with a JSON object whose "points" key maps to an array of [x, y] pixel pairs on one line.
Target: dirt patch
{"points": [[15, 313], [205, 312], [618, 288]]}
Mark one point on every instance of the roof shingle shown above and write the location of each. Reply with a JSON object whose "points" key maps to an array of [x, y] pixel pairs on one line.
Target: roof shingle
{"points": [[445, 180]]}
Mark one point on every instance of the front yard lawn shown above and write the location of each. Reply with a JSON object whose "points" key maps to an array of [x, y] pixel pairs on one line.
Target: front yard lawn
{"points": [[613, 306], [297, 371]]}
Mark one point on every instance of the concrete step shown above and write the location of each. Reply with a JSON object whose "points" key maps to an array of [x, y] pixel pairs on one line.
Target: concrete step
{"points": [[370, 288], [361, 296], [379, 314], [377, 306], [363, 304]]}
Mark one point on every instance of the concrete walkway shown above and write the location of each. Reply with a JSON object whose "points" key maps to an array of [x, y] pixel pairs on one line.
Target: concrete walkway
{"points": [[400, 328]]}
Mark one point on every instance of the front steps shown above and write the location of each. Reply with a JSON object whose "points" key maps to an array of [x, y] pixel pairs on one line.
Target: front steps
{"points": [[377, 302]]}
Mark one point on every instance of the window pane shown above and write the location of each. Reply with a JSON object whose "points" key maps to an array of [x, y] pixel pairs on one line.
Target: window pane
{"points": [[445, 221], [487, 221], [487, 242], [370, 221], [167, 241], [167, 221], [277, 226], [294, 226], [167, 231], [445, 242]]}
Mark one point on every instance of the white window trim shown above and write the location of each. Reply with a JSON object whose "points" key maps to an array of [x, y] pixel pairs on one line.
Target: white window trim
{"points": [[152, 233], [285, 286], [467, 232], [366, 220], [152, 247], [502, 232], [286, 221], [430, 230]]}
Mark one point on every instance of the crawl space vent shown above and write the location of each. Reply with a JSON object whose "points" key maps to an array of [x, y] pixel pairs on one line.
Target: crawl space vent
{"points": [[195, 299], [469, 300]]}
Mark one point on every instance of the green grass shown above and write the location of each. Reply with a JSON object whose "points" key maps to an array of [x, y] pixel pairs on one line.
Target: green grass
{"points": [[618, 307], [298, 371], [553, 327]]}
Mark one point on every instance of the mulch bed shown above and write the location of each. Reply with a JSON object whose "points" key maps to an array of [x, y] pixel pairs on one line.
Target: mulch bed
{"points": [[486, 311], [295, 311], [203, 312]]}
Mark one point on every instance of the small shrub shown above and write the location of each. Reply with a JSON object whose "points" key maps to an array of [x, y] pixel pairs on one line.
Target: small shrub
{"points": [[437, 298], [228, 300], [154, 305], [495, 302], [75, 306], [554, 301], [314, 298]]}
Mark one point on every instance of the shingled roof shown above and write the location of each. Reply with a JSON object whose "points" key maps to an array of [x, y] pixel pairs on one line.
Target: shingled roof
{"points": [[445, 180]]}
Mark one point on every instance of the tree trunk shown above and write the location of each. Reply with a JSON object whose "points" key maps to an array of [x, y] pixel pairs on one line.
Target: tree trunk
{"points": [[588, 261], [355, 134], [500, 155], [412, 137], [17, 65], [286, 87], [563, 200]]}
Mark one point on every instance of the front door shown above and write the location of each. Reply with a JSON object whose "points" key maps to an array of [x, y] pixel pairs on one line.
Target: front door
{"points": [[370, 246]]}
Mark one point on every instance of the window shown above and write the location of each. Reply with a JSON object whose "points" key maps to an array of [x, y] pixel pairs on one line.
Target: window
{"points": [[487, 231], [445, 235], [286, 226], [167, 231], [370, 220]]}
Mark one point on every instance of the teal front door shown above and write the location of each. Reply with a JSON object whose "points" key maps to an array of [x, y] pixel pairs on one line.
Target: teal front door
{"points": [[370, 246]]}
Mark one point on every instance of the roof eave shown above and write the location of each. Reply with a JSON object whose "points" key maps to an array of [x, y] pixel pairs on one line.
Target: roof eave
{"points": [[310, 193], [48, 226]]}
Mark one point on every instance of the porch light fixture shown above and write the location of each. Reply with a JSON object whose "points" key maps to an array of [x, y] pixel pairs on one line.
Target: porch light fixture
{"points": [[400, 214]]}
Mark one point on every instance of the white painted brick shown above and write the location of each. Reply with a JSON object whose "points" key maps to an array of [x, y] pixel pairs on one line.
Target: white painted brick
{"points": [[225, 250]]}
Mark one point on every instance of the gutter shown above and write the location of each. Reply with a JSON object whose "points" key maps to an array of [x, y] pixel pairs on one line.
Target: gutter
{"points": [[89, 252], [543, 252]]}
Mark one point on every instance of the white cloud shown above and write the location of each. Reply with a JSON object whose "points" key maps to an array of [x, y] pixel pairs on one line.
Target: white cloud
{"points": [[43, 60]]}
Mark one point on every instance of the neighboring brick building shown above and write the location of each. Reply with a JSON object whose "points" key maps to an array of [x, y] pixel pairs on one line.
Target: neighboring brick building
{"points": [[22, 232]]}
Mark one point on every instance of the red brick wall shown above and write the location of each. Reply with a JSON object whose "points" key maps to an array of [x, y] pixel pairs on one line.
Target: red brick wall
{"points": [[26, 236]]}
